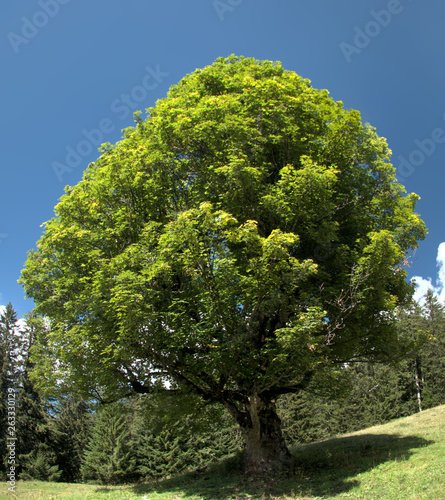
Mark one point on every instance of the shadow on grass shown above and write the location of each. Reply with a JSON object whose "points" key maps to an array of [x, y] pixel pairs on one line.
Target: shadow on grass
{"points": [[326, 468]]}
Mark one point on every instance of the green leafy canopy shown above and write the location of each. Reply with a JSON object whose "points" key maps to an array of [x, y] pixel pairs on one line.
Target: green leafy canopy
{"points": [[249, 233]]}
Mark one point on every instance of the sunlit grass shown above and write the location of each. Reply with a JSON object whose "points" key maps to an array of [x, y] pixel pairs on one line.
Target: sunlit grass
{"points": [[402, 460]]}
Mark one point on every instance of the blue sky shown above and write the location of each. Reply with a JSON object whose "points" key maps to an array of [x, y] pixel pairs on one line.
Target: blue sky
{"points": [[73, 72]]}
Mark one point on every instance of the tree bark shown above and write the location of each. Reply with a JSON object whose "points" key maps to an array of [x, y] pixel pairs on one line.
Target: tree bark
{"points": [[418, 389], [261, 427]]}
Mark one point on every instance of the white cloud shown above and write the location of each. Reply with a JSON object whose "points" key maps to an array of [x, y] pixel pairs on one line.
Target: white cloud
{"points": [[423, 285]]}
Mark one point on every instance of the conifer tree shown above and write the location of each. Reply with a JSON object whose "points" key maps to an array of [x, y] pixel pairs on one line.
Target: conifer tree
{"points": [[35, 438], [412, 326], [9, 351], [109, 457], [431, 358], [71, 429], [162, 454], [171, 434], [180, 448]]}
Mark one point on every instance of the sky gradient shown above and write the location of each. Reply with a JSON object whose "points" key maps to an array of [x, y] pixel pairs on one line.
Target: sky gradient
{"points": [[73, 73]]}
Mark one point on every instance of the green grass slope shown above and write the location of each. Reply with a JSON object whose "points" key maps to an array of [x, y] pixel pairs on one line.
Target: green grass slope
{"points": [[402, 460]]}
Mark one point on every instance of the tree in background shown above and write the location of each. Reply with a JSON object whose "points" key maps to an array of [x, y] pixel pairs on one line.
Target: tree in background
{"points": [[412, 325], [424, 371], [130, 443], [433, 353], [50, 433], [9, 375], [173, 434], [109, 457], [371, 394], [186, 257], [71, 428], [35, 439]]}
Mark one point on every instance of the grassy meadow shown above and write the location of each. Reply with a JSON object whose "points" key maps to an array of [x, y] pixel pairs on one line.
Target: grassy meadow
{"points": [[401, 460]]}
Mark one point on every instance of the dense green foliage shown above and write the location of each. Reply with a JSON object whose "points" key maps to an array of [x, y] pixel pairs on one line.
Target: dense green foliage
{"points": [[190, 244], [127, 445], [374, 396], [71, 428], [109, 457], [188, 257]]}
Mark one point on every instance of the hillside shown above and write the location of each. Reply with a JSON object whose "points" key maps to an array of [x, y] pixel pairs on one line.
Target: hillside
{"points": [[402, 460]]}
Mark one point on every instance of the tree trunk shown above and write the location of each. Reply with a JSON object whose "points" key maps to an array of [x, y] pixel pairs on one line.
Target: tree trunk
{"points": [[419, 393], [265, 445]]}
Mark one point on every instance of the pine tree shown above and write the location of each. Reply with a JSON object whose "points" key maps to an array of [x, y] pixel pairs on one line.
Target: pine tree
{"points": [[109, 457], [412, 326], [431, 358], [162, 454], [39, 464], [35, 443], [71, 430], [173, 434], [51, 433], [373, 394], [9, 374], [180, 448], [424, 371]]}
